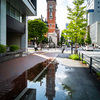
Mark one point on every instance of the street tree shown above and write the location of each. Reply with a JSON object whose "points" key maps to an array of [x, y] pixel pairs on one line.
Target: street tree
{"points": [[77, 26], [81, 41], [37, 29], [44, 40], [88, 39], [62, 39]]}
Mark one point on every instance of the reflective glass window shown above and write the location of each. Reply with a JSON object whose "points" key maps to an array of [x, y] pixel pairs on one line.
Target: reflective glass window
{"points": [[17, 15], [8, 8], [12, 11], [21, 18]]}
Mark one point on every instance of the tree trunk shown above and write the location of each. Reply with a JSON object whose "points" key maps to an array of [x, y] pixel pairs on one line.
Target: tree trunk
{"points": [[76, 51]]}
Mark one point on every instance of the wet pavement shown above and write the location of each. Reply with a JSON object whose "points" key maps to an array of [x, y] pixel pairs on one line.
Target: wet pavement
{"points": [[12, 69], [64, 79], [82, 84]]}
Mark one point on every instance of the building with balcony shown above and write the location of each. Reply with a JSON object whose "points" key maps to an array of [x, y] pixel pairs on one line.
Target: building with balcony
{"points": [[13, 21], [93, 16]]}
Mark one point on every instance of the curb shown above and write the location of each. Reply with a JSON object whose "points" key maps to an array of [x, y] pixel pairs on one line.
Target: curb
{"points": [[44, 69]]}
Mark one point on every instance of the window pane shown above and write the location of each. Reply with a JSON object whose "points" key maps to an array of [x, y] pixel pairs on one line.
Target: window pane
{"points": [[8, 8], [20, 17], [12, 11], [17, 15]]}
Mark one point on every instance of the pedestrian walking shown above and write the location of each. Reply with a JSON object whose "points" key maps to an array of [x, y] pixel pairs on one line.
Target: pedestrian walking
{"points": [[63, 47], [35, 47]]}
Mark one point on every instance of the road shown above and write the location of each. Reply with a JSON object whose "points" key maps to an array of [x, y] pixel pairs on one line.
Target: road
{"points": [[95, 53]]}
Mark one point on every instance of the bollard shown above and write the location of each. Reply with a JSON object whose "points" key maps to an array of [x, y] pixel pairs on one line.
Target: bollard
{"points": [[90, 65]]}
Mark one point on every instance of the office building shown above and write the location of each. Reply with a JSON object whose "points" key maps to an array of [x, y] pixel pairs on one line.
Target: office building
{"points": [[93, 16], [13, 21]]}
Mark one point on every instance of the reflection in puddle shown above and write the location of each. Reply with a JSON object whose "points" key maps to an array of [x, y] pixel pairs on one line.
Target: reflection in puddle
{"points": [[34, 71], [68, 91], [12, 87], [50, 82], [49, 86]]}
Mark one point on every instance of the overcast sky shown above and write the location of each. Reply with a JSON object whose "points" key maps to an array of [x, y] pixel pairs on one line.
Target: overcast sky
{"points": [[61, 11]]}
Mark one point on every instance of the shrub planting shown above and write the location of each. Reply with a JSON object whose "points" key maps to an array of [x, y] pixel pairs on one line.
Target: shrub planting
{"points": [[2, 48], [84, 62], [74, 57], [14, 47], [98, 74], [81, 59]]}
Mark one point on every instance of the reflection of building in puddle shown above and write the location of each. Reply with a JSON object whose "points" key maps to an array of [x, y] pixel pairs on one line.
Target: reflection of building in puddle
{"points": [[34, 71], [16, 87], [9, 89], [50, 82]]}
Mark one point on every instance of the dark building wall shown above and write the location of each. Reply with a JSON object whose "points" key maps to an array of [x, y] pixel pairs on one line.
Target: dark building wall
{"points": [[15, 25], [14, 40]]}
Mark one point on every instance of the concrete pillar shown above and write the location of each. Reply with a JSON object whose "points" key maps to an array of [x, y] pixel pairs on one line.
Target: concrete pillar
{"points": [[24, 37], [3, 22]]}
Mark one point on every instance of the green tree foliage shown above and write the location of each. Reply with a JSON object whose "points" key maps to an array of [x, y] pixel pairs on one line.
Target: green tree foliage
{"points": [[88, 39], [36, 29], [77, 26], [62, 39], [45, 39], [81, 41]]}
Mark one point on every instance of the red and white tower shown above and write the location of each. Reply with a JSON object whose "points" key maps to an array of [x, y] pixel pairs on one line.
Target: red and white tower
{"points": [[51, 19]]}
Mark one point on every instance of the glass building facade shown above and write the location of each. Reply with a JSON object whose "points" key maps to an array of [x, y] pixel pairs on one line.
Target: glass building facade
{"points": [[13, 12]]}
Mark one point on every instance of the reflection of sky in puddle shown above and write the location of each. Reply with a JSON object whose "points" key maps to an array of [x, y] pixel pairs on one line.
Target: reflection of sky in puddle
{"points": [[43, 90], [49, 86], [60, 73], [40, 90]]}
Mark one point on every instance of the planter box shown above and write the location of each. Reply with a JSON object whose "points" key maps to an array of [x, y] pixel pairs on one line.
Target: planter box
{"points": [[10, 55]]}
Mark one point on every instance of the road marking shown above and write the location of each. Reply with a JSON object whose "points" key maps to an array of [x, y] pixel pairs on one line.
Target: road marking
{"points": [[41, 55]]}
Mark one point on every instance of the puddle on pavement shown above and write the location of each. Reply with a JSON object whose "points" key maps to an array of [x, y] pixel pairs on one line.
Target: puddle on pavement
{"points": [[49, 86]]}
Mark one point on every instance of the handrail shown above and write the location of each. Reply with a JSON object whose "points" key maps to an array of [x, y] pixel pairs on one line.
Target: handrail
{"points": [[91, 61], [96, 60]]}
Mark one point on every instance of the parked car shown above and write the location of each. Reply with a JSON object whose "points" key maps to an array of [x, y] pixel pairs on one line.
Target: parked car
{"points": [[99, 46], [88, 47], [83, 47]]}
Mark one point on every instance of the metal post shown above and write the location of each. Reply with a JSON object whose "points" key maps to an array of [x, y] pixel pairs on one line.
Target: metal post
{"points": [[90, 65], [82, 57], [79, 55]]}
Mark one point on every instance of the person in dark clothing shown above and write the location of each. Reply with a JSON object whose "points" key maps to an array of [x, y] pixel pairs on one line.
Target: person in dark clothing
{"points": [[63, 47]]}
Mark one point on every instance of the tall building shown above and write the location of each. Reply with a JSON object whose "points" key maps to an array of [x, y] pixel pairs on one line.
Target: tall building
{"points": [[13, 21], [51, 19], [93, 16]]}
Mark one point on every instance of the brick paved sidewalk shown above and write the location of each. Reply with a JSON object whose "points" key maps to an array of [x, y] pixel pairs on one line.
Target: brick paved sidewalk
{"points": [[17, 66]]}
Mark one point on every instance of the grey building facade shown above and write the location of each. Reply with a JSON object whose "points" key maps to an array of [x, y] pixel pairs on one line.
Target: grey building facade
{"points": [[13, 21], [93, 16]]}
